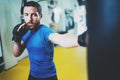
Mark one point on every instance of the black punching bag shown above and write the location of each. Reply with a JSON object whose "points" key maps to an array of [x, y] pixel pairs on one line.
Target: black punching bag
{"points": [[103, 21]]}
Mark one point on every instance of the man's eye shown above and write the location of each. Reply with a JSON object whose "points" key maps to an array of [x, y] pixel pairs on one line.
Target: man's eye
{"points": [[25, 14], [35, 15]]}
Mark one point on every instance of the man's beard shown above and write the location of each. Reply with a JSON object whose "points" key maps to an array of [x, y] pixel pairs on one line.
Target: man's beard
{"points": [[34, 25]]}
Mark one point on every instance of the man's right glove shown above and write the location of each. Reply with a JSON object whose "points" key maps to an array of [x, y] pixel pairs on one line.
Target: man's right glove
{"points": [[82, 39], [17, 34]]}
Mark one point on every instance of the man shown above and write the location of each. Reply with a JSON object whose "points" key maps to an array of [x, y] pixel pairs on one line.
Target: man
{"points": [[39, 41]]}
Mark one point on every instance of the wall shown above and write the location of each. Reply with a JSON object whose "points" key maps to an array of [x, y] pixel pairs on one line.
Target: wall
{"points": [[10, 16]]}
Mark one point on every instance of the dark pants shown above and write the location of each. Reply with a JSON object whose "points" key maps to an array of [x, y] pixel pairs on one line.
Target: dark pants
{"points": [[49, 78]]}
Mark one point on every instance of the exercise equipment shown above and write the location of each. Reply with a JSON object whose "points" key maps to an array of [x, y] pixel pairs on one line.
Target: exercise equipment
{"points": [[103, 21]]}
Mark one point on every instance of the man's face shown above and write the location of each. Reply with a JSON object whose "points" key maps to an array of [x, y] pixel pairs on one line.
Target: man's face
{"points": [[31, 17]]}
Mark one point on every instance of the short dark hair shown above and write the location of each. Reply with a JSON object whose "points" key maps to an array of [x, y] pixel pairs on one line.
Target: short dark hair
{"points": [[34, 4]]}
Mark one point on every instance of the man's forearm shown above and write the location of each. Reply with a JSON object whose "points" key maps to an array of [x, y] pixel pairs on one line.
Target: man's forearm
{"points": [[18, 48]]}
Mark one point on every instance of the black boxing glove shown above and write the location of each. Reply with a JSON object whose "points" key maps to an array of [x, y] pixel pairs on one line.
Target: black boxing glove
{"points": [[82, 39], [17, 35]]}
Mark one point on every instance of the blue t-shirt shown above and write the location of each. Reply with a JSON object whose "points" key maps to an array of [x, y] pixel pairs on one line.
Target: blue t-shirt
{"points": [[40, 51]]}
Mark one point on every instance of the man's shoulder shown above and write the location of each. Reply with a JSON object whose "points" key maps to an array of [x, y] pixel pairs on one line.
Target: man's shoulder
{"points": [[43, 26]]}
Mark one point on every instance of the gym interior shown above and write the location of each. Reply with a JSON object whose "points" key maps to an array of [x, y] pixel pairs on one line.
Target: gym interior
{"points": [[98, 61]]}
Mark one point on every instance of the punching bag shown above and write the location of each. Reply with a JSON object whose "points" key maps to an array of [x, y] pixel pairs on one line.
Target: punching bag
{"points": [[103, 21]]}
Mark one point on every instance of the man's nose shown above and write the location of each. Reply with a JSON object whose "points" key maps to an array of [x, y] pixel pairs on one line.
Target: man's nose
{"points": [[29, 17]]}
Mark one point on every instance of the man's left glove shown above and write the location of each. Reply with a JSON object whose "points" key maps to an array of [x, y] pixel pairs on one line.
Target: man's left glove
{"points": [[18, 31]]}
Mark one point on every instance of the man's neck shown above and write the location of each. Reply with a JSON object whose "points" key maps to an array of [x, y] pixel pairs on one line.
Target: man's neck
{"points": [[36, 28]]}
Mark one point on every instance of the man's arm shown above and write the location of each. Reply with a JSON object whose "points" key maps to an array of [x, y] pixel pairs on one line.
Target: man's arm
{"points": [[18, 48], [18, 31], [64, 40]]}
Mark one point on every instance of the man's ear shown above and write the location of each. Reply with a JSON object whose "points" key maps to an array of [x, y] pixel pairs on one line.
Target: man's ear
{"points": [[40, 15]]}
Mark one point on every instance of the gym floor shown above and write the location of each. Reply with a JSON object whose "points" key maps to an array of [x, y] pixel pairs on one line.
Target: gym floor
{"points": [[71, 64]]}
